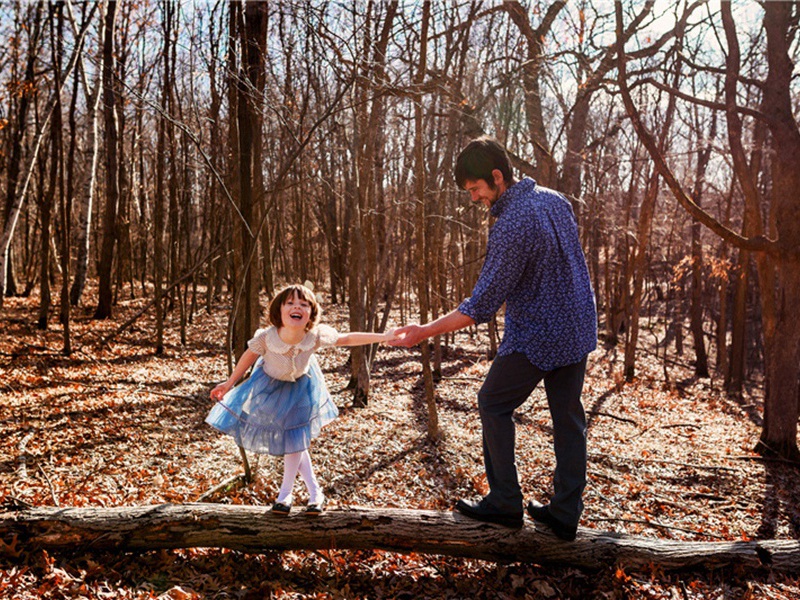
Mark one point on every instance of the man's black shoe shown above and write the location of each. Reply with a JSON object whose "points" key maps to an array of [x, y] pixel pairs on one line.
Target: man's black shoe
{"points": [[542, 514], [483, 511]]}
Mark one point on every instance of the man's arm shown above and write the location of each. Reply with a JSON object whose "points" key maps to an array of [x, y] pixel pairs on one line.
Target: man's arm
{"points": [[411, 335]]}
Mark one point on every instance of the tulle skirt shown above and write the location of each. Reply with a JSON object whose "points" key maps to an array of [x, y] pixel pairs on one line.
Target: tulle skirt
{"points": [[270, 416]]}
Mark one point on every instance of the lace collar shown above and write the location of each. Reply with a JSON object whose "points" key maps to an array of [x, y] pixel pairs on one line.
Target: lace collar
{"points": [[277, 345]]}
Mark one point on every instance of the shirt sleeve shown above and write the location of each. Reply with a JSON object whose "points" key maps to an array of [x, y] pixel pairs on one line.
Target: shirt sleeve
{"points": [[258, 343], [326, 336], [508, 252]]}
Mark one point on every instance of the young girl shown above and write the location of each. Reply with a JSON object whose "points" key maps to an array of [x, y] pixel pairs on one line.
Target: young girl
{"points": [[284, 403]]}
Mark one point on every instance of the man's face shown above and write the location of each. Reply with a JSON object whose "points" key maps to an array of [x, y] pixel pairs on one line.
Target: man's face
{"points": [[480, 191]]}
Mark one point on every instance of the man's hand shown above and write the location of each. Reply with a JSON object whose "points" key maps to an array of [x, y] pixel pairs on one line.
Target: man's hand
{"points": [[408, 336]]}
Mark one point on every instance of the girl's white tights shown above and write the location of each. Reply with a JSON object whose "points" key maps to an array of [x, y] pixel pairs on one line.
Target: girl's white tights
{"points": [[292, 463]]}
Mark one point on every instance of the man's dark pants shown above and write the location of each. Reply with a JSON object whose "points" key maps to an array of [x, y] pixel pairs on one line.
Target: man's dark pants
{"points": [[510, 381]]}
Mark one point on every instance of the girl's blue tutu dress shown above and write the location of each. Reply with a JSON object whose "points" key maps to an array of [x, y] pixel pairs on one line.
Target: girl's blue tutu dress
{"points": [[271, 415]]}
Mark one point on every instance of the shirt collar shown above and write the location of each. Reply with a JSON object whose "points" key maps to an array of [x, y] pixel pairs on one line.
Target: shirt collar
{"points": [[524, 185]]}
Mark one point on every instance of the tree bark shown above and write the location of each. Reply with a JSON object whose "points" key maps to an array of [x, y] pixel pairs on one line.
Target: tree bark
{"points": [[638, 271], [249, 85], [104, 269], [423, 262], [781, 326], [66, 221], [252, 529], [163, 129], [362, 260], [56, 24], [86, 198], [696, 310]]}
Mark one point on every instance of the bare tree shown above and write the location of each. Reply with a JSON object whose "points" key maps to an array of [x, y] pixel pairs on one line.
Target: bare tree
{"points": [[13, 201], [779, 271], [56, 25], [104, 268], [86, 196]]}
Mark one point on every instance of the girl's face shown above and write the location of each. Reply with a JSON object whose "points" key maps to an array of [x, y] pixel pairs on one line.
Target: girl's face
{"points": [[295, 312]]}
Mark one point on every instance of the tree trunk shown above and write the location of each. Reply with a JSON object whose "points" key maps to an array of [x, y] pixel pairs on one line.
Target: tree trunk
{"points": [[160, 174], [87, 194], [734, 382], [54, 186], [249, 85], [251, 529], [696, 309], [14, 198], [232, 172], [782, 328], [66, 223], [362, 263], [105, 276], [423, 261], [638, 269]]}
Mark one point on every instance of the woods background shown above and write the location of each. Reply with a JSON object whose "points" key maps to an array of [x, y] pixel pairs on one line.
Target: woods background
{"points": [[186, 151]]}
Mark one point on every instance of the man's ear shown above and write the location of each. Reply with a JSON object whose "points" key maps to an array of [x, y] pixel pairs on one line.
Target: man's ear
{"points": [[498, 177]]}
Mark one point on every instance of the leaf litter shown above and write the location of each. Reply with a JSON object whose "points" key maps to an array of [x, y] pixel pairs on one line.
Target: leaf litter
{"points": [[118, 425]]}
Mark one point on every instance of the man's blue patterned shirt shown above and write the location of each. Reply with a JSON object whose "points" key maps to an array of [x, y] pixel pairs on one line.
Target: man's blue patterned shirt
{"points": [[535, 264]]}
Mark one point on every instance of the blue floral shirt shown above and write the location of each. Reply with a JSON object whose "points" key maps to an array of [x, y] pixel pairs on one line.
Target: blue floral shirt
{"points": [[535, 264]]}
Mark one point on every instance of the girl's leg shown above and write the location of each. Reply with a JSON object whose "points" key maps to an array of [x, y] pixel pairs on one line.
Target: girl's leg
{"points": [[307, 473], [291, 463]]}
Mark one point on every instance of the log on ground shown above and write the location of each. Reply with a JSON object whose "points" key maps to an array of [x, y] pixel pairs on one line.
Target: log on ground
{"points": [[253, 529]]}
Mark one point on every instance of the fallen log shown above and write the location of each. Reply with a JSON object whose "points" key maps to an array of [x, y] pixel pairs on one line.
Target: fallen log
{"points": [[252, 529]]}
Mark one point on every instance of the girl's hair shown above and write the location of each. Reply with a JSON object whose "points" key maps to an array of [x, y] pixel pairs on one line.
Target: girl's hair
{"points": [[303, 293]]}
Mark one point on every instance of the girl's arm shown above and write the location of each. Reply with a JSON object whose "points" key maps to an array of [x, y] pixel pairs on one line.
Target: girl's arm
{"points": [[245, 362], [362, 338]]}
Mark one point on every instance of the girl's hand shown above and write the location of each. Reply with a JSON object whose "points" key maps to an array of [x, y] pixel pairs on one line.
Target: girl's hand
{"points": [[218, 392], [389, 335]]}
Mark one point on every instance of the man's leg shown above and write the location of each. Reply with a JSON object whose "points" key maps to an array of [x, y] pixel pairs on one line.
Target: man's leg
{"points": [[510, 381], [563, 387]]}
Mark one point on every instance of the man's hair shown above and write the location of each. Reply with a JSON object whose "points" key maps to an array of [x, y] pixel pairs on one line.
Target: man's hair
{"points": [[304, 294], [479, 158]]}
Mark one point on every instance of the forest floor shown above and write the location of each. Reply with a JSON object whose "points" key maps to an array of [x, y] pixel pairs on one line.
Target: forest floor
{"points": [[119, 426]]}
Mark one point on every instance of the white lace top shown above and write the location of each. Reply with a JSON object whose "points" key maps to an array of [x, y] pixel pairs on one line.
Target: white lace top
{"points": [[285, 361]]}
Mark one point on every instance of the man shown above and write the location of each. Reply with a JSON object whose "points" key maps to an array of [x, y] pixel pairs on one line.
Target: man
{"points": [[535, 265]]}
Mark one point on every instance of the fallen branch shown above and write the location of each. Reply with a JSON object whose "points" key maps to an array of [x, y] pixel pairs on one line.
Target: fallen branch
{"points": [[235, 481], [657, 525], [22, 459], [592, 413], [252, 529], [627, 459], [50, 485]]}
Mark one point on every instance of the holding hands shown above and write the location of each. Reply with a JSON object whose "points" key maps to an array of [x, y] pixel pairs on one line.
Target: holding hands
{"points": [[407, 336], [389, 336]]}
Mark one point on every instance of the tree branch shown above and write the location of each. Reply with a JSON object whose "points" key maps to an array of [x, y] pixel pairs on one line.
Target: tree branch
{"points": [[757, 243]]}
